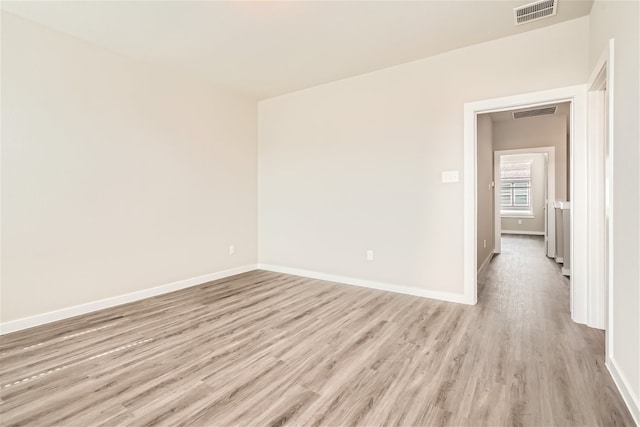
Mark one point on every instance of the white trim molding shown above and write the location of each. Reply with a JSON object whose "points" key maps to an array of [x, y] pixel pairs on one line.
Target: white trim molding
{"points": [[528, 233], [76, 310], [601, 141], [632, 401], [578, 189], [398, 289], [515, 214]]}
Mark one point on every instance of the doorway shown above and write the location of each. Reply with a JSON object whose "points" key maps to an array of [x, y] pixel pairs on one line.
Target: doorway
{"points": [[576, 96], [523, 185], [526, 198]]}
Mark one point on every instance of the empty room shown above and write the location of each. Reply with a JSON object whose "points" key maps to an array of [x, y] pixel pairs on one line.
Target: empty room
{"points": [[322, 213]]}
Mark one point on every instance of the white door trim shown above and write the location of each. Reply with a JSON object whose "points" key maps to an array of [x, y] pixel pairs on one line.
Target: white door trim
{"points": [[600, 310], [578, 178], [551, 194], [600, 294]]}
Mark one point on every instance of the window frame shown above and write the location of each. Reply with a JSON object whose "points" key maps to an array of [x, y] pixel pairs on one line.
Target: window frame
{"points": [[513, 211]]}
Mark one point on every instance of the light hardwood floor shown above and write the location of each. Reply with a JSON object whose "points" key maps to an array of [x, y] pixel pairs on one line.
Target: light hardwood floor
{"points": [[267, 349]]}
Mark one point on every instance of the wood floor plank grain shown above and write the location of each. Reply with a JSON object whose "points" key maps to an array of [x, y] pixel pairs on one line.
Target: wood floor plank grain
{"points": [[268, 349]]}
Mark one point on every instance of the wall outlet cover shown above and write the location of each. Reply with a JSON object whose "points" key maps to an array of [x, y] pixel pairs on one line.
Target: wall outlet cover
{"points": [[450, 176]]}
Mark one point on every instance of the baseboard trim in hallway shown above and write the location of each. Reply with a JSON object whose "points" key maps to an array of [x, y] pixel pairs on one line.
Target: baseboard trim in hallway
{"points": [[625, 390], [485, 263], [398, 289], [76, 310]]}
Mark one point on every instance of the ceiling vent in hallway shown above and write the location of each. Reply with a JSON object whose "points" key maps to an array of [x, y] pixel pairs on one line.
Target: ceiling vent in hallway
{"points": [[532, 113], [534, 11]]}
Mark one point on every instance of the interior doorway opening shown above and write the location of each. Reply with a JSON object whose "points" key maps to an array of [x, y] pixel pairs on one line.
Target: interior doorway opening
{"points": [[536, 216], [577, 189], [523, 179]]}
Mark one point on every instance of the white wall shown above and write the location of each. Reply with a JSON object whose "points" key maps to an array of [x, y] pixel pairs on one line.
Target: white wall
{"points": [[116, 176], [356, 164], [485, 191], [620, 20], [535, 224], [540, 131]]}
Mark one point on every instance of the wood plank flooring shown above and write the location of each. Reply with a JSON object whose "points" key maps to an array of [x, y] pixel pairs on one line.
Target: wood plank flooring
{"points": [[267, 349]]}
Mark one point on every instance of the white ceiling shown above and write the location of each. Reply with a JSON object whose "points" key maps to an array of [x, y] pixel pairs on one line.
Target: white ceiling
{"points": [[267, 48]]}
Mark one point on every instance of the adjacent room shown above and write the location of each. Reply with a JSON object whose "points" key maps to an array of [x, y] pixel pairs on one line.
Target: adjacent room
{"points": [[368, 213]]}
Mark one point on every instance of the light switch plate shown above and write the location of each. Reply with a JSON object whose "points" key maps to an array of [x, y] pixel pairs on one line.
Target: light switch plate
{"points": [[450, 176]]}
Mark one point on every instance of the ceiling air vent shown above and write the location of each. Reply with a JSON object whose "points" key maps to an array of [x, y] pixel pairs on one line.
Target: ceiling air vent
{"points": [[534, 11], [533, 113]]}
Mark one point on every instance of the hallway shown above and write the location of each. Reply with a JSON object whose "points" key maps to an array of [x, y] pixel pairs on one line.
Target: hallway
{"points": [[556, 366]]}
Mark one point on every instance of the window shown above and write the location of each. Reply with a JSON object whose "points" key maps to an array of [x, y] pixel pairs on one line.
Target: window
{"points": [[515, 188]]}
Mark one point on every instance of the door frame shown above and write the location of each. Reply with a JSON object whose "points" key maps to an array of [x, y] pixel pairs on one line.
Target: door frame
{"points": [[601, 140], [577, 177], [550, 183]]}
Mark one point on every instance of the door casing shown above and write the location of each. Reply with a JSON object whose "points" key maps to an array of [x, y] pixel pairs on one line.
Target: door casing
{"points": [[576, 95]]}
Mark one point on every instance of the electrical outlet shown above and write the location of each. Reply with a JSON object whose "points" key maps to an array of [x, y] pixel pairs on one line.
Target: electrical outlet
{"points": [[369, 255], [484, 244], [232, 249], [520, 222]]}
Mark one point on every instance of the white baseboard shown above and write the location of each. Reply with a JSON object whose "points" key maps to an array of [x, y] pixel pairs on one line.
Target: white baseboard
{"points": [[399, 289], [485, 263], [623, 386], [528, 233], [52, 316]]}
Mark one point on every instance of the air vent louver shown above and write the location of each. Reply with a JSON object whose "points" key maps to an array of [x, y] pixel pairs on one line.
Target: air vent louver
{"points": [[533, 113], [534, 11]]}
